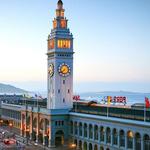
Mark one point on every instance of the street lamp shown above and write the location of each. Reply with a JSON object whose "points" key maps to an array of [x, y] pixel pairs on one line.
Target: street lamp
{"points": [[1, 122], [73, 146], [10, 125]]}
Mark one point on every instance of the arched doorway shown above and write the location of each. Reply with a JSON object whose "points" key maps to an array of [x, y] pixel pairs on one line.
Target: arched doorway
{"points": [[85, 146], [34, 129], [59, 138], [146, 142], [80, 145], [95, 147], [23, 123], [101, 148], [28, 127], [90, 147], [41, 127]]}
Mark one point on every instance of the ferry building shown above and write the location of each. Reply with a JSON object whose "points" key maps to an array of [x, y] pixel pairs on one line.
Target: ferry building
{"points": [[80, 124]]}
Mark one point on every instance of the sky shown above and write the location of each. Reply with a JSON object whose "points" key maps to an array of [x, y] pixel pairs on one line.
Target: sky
{"points": [[111, 43]]}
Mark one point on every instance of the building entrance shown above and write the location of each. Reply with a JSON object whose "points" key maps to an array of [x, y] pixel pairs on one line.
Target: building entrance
{"points": [[59, 138]]}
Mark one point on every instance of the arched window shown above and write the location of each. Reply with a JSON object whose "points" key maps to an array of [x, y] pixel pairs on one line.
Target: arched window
{"points": [[51, 44], [80, 129], [130, 139], [90, 131], [76, 128], [55, 24], [63, 43], [102, 132], [71, 127], [108, 135], [85, 130], [115, 137], [137, 141], [95, 132], [122, 138], [63, 23]]}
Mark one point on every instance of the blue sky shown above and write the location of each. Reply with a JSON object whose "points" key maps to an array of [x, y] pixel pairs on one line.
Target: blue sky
{"points": [[111, 43]]}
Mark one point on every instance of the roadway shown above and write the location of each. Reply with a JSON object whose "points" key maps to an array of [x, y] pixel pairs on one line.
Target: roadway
{"points": [[21, 142]]}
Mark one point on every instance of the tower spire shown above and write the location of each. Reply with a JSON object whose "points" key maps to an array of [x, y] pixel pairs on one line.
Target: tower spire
{"points": [[60, 4], [60, 63]]}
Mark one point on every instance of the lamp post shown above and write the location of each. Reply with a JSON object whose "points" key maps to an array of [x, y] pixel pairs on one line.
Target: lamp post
{"points": [[27, 135], [10, 125], [1, 121]]}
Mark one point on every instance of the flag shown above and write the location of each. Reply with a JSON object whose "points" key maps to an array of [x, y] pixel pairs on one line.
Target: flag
{"points": [[147, 102], [109, 100], [76, 97]]}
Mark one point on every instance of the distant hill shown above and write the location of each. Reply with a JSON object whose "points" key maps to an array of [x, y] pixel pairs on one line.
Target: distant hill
{"points": [[4, 88]]}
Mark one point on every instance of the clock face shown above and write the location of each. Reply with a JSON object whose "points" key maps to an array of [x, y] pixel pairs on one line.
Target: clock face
{"points": [[51, 70], [64, 70]]}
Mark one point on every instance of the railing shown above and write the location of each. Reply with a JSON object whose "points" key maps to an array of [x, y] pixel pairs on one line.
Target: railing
{"points": [[124, 113]]}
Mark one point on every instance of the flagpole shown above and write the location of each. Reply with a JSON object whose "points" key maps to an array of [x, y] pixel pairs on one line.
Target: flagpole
{"points": [[144, 113], [107, 110]]}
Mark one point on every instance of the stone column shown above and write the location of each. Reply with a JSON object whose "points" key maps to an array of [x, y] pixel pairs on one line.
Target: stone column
{"points": [[44, 127], [77, 129], [25, 130], [31, 125], [126, 140], [73, 132], [37, 129], [99, 133], [93, 132], [87, 145], [82, 129], [51, 137], [133, 142], [21, 127], [118, 142], [105, 137], [111, 134], [88, 131], [77, 145], [142, 143]]}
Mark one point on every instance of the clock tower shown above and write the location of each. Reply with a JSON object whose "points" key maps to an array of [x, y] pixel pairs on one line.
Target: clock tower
{"points": [[60, 62]]}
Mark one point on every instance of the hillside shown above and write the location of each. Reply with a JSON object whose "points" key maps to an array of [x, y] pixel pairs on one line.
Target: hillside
{"points": [[4, 88]]}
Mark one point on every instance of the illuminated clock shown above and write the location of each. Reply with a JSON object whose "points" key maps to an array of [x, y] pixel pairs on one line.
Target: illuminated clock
{"points": [[51, 70], [64, 69]]}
